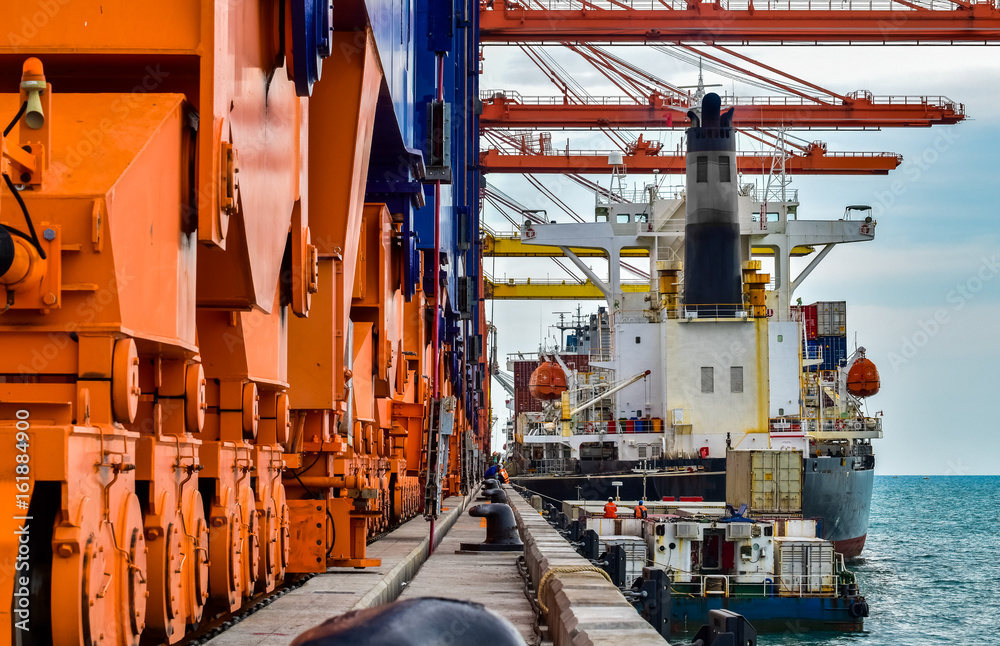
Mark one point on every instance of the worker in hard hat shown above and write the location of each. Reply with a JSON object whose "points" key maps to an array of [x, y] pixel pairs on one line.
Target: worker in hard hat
{"points": [[641, 511], [611, 509]]}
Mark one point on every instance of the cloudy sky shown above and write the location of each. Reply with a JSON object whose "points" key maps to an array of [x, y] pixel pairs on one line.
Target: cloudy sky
{"points": [[924, 297]]}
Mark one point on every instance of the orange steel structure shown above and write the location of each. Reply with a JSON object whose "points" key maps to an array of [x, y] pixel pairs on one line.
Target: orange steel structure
{"points": [[740, 22], [814, 160], [510, 110], [204, 352]]}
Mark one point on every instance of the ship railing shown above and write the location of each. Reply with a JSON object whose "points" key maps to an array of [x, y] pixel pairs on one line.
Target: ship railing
{"points": [[619, 426], [722, 585], [549, 465], [640, 196], [837, 425], [784, 425], [714, 585], [805, 585], [728, 311], [709, 311]]}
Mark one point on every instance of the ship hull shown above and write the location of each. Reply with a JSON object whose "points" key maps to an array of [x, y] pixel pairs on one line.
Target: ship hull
{"points": [[690, 478], [769, 614], [839, 491]]}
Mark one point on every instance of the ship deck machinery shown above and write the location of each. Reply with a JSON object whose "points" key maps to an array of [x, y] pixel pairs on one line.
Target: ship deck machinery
{"points": [[241, 323], [724, 375]]}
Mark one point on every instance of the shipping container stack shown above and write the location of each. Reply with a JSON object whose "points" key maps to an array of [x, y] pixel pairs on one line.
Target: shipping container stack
{"points": [[826, 332]]}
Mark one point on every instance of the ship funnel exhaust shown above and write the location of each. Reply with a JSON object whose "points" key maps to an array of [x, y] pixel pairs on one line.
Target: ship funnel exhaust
{"points": [[712, 277]]}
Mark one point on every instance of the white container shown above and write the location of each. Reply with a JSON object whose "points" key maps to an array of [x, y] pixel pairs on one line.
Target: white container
{"points": [[805, 567], [768, 482]]}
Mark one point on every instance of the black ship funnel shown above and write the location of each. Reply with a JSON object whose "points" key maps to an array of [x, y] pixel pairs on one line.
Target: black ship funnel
{"points": [[712, 267]]}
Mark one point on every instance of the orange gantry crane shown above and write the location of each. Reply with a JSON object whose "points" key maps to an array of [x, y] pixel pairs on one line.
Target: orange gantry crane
{"points": [[816, 161], [507, 109], [741, 21], [519, 153], [648, 101]]}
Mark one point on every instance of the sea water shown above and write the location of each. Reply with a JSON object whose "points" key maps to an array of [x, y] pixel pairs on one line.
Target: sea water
{"points": [[930, 569]]}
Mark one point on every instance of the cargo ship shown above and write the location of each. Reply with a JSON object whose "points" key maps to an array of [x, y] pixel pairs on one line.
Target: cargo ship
{"points": [[657, 390]]}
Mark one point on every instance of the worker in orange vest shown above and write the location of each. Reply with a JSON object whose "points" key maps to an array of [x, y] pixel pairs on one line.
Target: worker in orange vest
{"points": [[502, 475], [610, 509], [641, 511]]}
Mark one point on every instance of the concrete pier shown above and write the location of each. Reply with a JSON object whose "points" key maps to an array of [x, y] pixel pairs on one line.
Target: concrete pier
{"points": [[489, 578], [342, 589], [584, 608]]}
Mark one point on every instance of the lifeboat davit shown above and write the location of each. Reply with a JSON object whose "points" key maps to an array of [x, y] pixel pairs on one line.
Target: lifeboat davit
{"points": [[862, 378], [548, 381]]}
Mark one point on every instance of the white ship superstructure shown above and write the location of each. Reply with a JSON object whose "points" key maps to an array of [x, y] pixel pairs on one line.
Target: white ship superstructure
{"points": [[687, 378], [716, 382]]}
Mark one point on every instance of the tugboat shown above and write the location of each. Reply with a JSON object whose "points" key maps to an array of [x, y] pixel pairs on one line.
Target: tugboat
{"points": [[775, 571], [710, 358]]}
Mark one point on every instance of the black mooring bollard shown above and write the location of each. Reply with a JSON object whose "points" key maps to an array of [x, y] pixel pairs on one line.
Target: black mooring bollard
{"points": [[488, 484], [496, 495], [501, 530]]}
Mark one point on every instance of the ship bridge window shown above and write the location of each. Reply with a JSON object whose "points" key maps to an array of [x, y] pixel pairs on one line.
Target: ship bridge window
{"points": [[623, 218], [736, 379], [641, 217], [724, 169], [702, 169], [708, 380], [601, 217]]}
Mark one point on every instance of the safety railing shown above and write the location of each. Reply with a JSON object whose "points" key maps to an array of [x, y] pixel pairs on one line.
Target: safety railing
{"points": [[720, 311], [805, 585], [549, 465], [603, 427], [670, 99], [837, 424], [533, 6], [860, 153], [784, 425], [709, 311], [723, 585], [578, 152], [667, 99]]}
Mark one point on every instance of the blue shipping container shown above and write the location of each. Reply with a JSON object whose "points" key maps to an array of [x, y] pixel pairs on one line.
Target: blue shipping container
{"points": [[834, 351]]}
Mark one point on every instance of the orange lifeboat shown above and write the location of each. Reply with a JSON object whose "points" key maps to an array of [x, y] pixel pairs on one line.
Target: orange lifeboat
{"points": [[862, 378], [548, 381]]}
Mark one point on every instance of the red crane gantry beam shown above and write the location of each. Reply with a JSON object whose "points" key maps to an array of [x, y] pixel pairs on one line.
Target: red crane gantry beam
{"points": [[743, 23], [815, 161], [500, 111]]}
